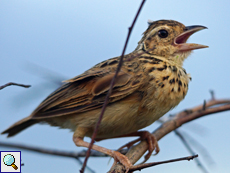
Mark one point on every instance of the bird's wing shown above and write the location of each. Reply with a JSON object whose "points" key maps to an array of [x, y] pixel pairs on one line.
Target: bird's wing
{"points": [[86, 92]]}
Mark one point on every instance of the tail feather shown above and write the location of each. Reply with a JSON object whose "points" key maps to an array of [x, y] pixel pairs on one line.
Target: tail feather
{"points": [[19, 126]]}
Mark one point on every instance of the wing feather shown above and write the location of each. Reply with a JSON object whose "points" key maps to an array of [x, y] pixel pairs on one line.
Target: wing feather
{"points": [[85, 92]]}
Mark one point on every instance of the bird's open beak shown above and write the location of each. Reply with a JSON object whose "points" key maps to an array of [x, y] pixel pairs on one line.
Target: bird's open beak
{"points": [[180, 41]]}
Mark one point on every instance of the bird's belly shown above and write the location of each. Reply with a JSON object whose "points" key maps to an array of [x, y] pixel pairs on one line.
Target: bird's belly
{"points": [[120, 118], [127, 121]]}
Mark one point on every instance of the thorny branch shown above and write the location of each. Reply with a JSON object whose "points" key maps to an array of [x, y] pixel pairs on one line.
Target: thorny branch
{"points": [[13, 83], [111, 87], [212, 106]]}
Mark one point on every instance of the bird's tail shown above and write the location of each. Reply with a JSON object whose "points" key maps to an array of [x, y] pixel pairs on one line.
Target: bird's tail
{"points": [[19, 126]]}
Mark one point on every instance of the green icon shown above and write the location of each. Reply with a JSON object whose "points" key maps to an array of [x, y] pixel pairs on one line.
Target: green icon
{"points": [[9, 160]]}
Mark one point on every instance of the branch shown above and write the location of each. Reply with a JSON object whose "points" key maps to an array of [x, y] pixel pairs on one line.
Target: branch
{"points": [[12, 83], [111, 88], [147, 165], [136, 152]]}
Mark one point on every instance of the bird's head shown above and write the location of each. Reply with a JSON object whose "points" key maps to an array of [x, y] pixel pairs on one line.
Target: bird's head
{"points": [[167, 38]]}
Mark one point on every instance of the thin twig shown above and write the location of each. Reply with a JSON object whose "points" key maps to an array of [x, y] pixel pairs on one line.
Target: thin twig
{"points": [[146, 165], [55, 152], [12, 83], [87, 167], [202, 149], [74, 155], [182, 138], [111, 88], [212, 95], [44, 73]]}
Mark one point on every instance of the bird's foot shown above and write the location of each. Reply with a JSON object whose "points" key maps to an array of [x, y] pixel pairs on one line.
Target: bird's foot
{"points": [[151, 140], [118, 157], [153, 144]]}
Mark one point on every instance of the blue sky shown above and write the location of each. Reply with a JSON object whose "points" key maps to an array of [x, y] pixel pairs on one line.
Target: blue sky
{"points": [[43, 38]]}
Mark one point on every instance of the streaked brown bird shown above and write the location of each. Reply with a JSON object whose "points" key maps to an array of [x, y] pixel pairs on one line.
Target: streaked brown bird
{"points": [[151, 82]]}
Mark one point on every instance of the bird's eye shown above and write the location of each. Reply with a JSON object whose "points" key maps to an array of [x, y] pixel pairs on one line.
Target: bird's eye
{"points": [[163, 33]]}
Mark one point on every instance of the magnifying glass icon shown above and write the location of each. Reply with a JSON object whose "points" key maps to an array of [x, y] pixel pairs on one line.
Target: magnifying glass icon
{"points": [[9, 160]]}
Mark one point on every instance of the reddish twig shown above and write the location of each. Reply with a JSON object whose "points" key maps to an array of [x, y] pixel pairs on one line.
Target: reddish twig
{"points": [[12, 83], [146, 165], [111, 88]]}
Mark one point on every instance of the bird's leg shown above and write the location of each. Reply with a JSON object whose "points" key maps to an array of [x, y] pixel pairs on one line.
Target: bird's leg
{"points": [[144, 135], [118, 157]]}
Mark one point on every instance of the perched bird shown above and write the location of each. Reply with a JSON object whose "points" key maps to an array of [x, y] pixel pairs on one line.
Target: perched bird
{"points": [[150, 83]]}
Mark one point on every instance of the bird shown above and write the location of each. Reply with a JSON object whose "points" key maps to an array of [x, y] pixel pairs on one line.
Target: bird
{"points": [[151, 82]]}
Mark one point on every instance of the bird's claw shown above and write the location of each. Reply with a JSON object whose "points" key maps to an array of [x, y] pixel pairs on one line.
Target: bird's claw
{"points": [[152, 144], [118, 157]]}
